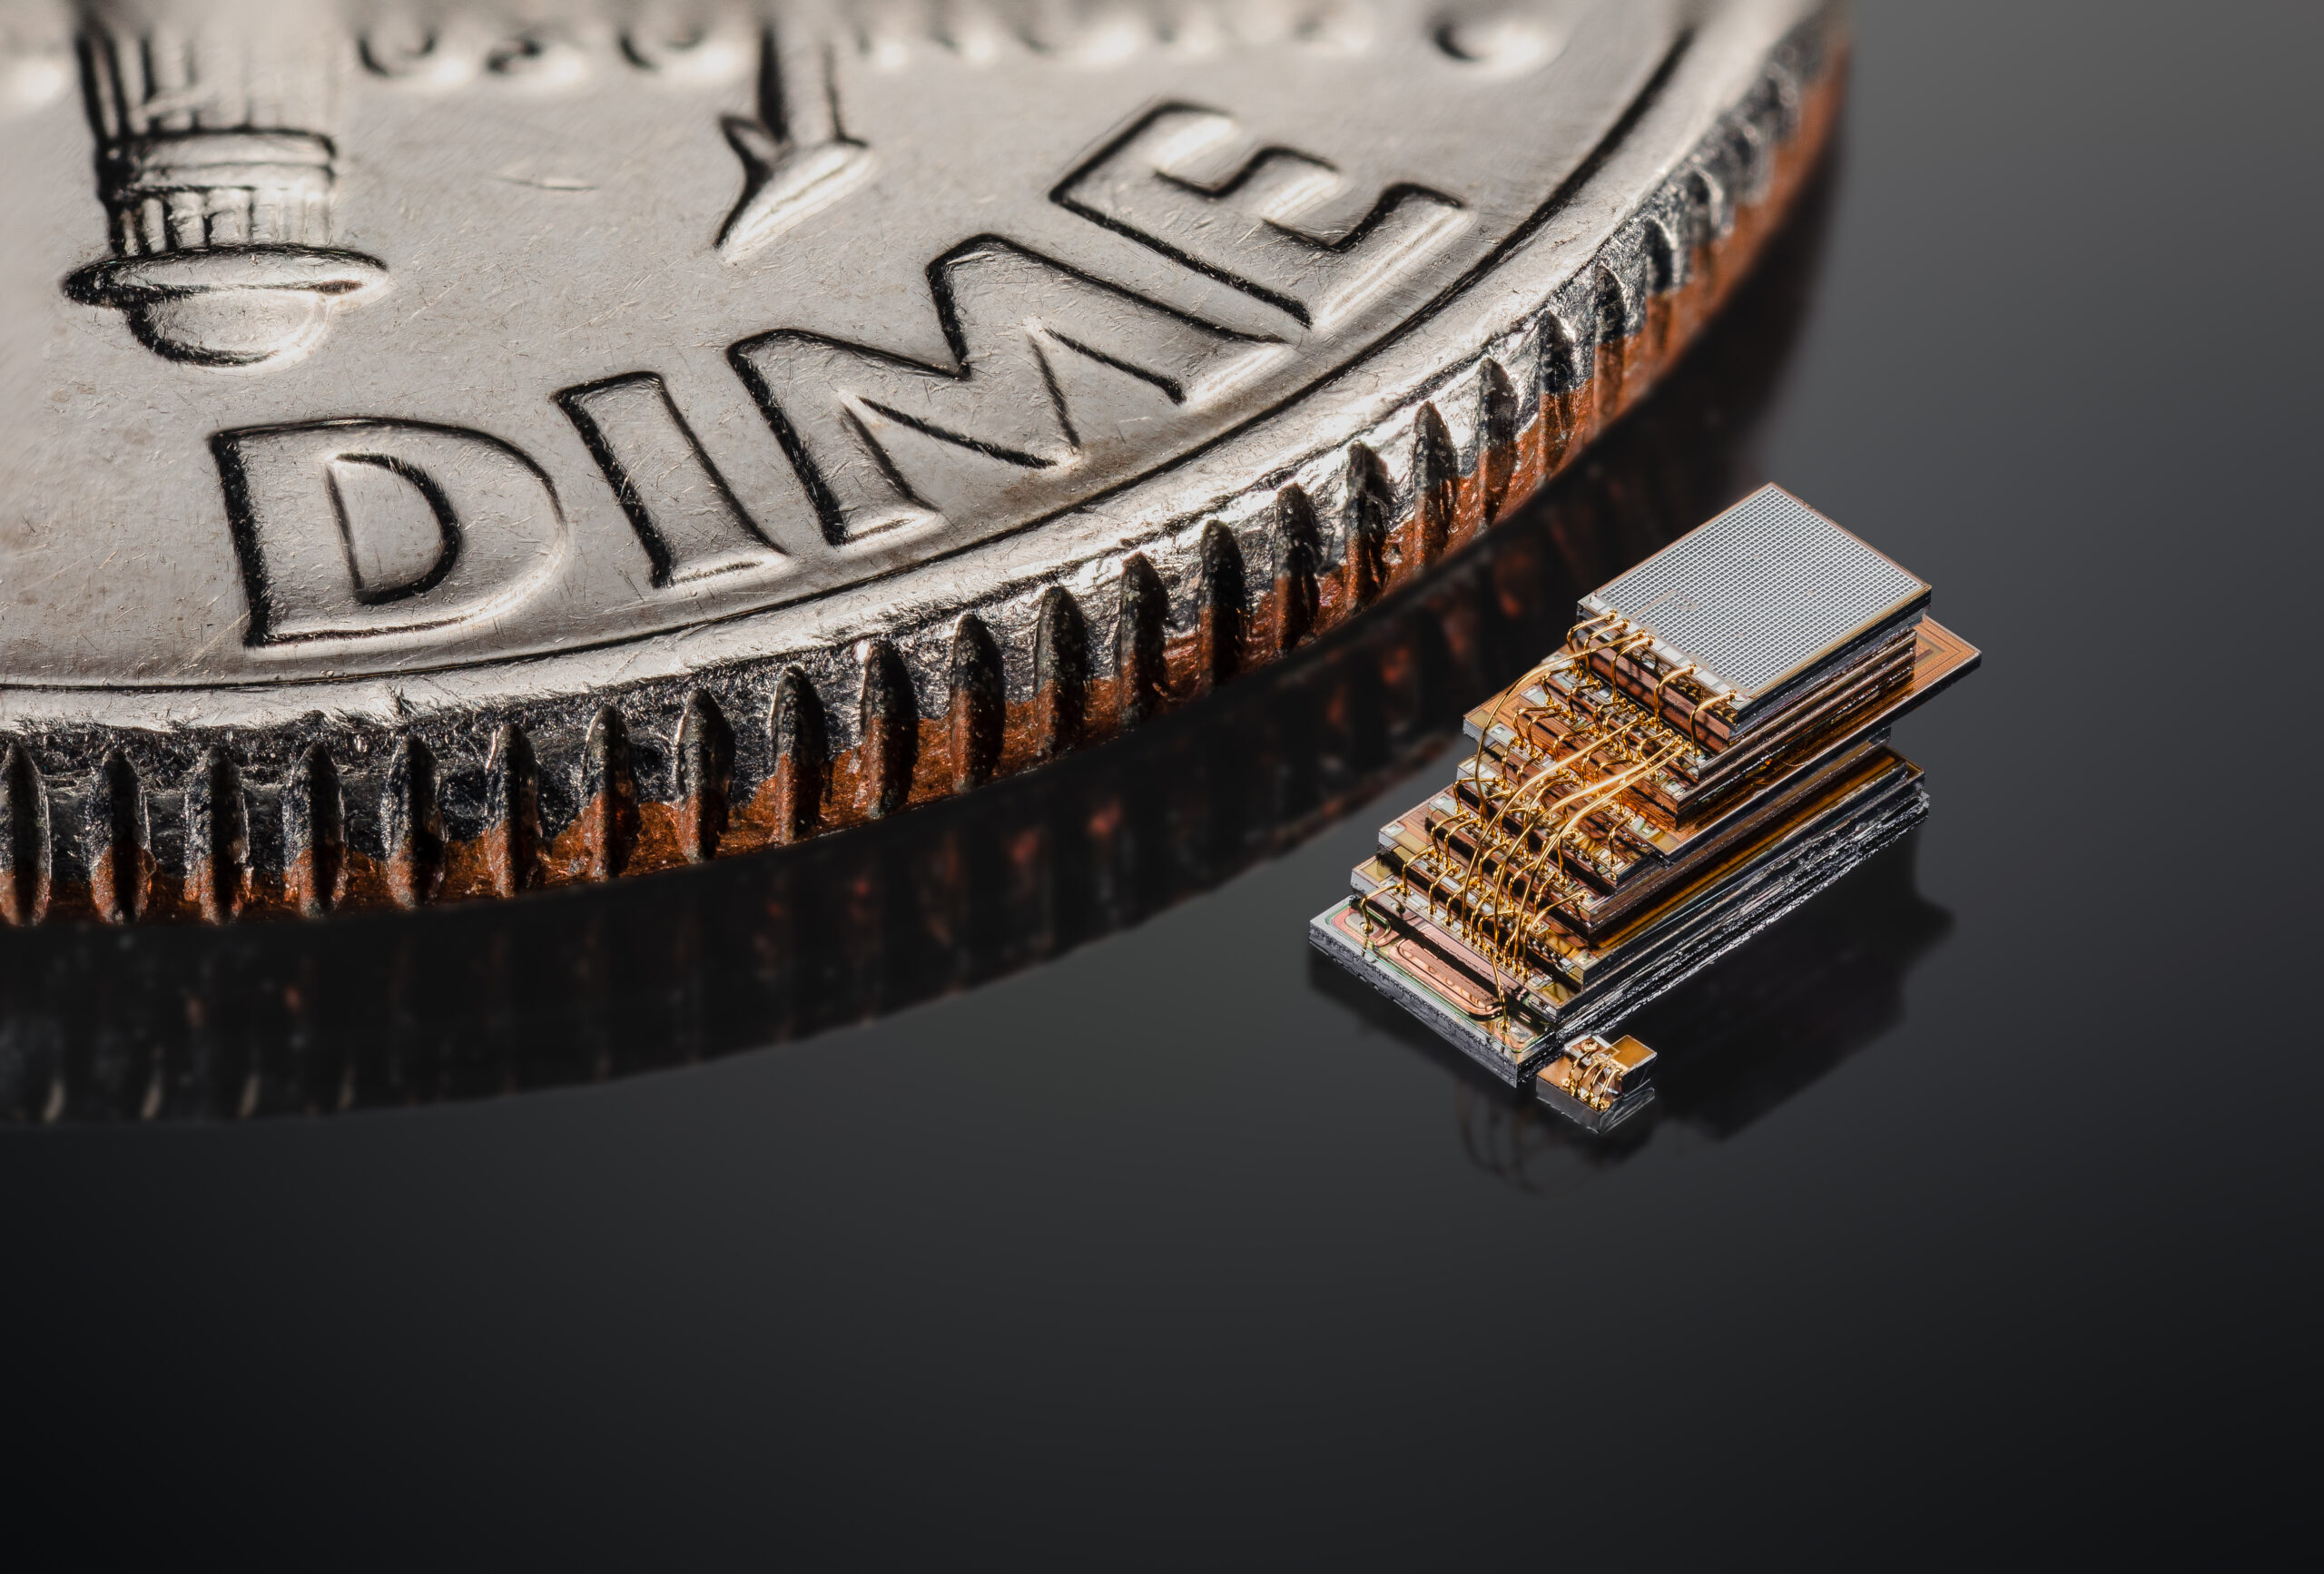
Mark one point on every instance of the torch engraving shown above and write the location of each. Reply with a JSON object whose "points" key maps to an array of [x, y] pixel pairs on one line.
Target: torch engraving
{"points": [[215, 165]]}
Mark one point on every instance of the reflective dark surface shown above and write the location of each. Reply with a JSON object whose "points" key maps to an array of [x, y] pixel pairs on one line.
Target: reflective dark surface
{"points": [[1975, 1220]]}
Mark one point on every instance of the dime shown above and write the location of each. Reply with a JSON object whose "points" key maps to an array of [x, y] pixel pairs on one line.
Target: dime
{"points": [[199, 1022], [452, 451]]}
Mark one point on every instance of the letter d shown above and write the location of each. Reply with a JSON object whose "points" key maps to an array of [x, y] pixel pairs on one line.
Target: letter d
{"points": [[365, 528]]}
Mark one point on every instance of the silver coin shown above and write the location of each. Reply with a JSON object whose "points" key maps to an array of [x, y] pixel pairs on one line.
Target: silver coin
{"points": [[455, 449], [196, 1022]]}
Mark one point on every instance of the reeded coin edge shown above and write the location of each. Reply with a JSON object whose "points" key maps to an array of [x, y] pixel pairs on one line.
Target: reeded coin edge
{"points": [[349, 811]]}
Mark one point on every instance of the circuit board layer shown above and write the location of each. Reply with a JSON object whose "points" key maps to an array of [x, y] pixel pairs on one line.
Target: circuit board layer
{"points": [[1628, 811]]}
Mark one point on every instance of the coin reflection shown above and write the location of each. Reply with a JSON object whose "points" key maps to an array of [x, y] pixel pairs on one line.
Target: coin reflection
{"points": [[586, 986]]}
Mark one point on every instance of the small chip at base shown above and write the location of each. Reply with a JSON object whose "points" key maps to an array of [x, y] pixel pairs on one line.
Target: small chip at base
{"points": [[1596, 1084]]}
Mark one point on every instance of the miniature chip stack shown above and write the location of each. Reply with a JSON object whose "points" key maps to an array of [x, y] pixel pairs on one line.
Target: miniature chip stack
{"points": [[1708, 750]]}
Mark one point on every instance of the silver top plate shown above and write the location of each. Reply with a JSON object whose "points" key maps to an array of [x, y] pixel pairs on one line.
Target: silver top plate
{"points": [[1762, 593]]}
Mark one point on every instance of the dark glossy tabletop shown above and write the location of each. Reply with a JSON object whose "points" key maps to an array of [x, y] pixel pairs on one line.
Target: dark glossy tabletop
{"points": [[1013, 1180]]}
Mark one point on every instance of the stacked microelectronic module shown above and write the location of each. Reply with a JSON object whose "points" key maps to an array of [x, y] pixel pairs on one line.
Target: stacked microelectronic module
{"points": [[1708, 751]]}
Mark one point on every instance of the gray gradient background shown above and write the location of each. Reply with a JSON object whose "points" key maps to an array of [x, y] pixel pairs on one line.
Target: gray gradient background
{"points": [[1172, 1251]]}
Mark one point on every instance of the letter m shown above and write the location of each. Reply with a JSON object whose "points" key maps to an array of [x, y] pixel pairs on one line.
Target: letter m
{"points": [[1046, 363]]}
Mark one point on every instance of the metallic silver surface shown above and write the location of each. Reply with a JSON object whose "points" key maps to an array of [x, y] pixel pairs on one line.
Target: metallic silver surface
{"points": [[452, 449], [1754, 597], [198, 1021]]}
